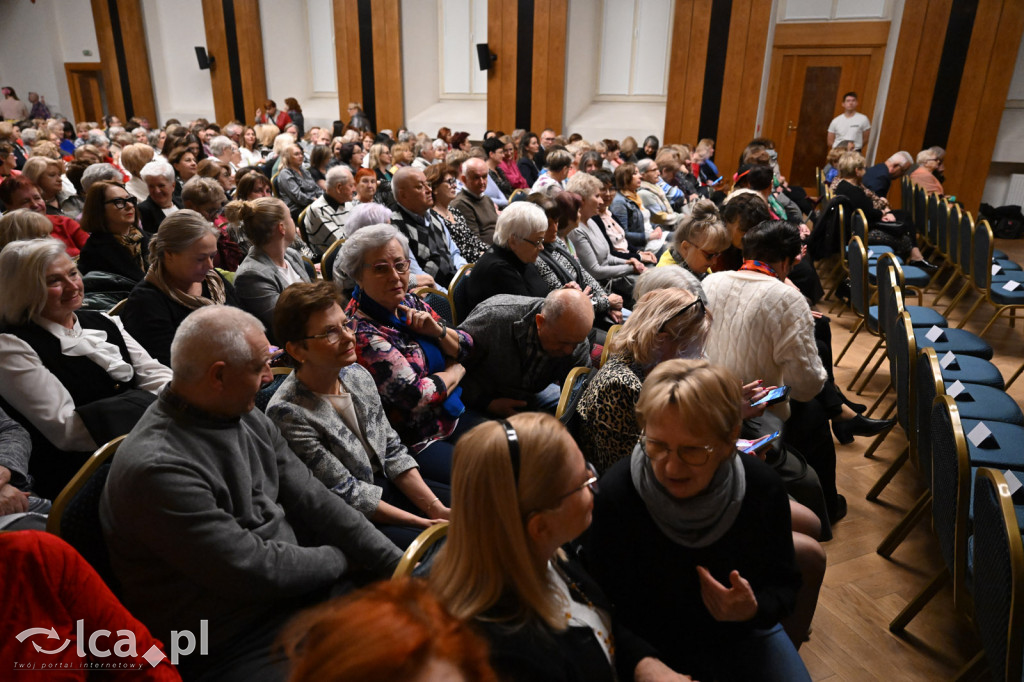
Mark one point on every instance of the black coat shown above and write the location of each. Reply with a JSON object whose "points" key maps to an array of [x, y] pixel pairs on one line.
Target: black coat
{"points": [[499, 271], [535, 653], [152, 215], [103, 253]]}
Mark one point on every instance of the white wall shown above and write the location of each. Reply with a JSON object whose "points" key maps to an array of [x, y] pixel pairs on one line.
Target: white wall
{"points": [[595, 120], [1008, 156], [181, 89], [35, 41]]}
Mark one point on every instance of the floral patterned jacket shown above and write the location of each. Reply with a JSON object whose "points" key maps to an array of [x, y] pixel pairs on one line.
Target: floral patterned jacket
{"points": [[412, 397]]}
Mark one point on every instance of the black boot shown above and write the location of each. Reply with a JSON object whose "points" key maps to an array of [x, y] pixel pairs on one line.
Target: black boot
{"points": [[859, 426]]}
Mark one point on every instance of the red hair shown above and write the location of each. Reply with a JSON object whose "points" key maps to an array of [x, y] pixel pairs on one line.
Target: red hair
{"points": [[13, 185], [388, 631], [364, 173]]}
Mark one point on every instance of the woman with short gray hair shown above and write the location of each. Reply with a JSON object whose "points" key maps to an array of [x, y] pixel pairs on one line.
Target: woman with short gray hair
{"points": [[181, 278], [63, 370], [415, 359], [508, 266]]}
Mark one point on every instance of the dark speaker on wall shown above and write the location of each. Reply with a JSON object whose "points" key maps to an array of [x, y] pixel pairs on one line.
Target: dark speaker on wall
{"points": [[485, 56], [205, 60]]}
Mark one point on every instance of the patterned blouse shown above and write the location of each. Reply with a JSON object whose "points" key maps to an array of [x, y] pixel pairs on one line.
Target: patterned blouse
{"points": [[569, 263], [471, 246], [607, 413], [411, 395]]}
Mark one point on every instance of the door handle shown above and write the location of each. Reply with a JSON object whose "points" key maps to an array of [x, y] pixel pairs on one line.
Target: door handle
{"points": [[790, 127]]}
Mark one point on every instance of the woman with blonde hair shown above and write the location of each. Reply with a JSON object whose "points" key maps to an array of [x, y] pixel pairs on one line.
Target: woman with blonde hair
{"points": [[504, 570], [46, 174], [692, 539], [698, 240], [134, 158], [270, 266], [294, 183], [23, 224], [181, 278]]}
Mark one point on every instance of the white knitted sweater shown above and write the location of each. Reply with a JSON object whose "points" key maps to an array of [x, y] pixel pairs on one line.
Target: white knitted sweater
{"points": [[763, 329]]}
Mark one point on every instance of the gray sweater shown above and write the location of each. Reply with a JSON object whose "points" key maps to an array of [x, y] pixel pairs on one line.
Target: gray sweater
{"points": [[217, 519]]}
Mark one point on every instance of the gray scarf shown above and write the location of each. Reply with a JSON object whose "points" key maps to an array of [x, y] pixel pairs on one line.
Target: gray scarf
{"points": [[698, 521]]}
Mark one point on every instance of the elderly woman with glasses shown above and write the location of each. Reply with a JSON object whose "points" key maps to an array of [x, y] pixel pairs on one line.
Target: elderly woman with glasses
{"points": [[116, 244], [505, 571], [443, 184], [692, 540], [414, 357], [508, 266], [330, 413], [698, 240], [73, 378]]}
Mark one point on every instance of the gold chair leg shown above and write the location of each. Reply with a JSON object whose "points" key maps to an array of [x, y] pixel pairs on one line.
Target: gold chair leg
{"points": [[903, 618], [871, 374], [944, 288], [853, 334], [970, 313], [878, 401], [1014, 377], [973, 668], [956, 299], [995, 316], [898, 534], [889, 473], [863, 365]]}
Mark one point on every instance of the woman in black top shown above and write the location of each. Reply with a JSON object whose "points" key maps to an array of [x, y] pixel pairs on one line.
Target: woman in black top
{"points": [[116, 244], [508, 266], [505, 571], [692, 539]]}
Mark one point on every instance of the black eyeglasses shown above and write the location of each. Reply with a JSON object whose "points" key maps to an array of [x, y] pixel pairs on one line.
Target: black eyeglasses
{"points": [[657, 451], [539, 244], [697, 303], [121, 202]]}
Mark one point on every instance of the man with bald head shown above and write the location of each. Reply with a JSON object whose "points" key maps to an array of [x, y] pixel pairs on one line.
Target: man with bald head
{"points": [[475, 206], [523, 348], [214, 526], [429, 240]]}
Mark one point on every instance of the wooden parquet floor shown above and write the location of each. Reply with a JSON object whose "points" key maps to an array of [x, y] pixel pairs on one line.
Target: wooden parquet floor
{"points": [[862, 591]]}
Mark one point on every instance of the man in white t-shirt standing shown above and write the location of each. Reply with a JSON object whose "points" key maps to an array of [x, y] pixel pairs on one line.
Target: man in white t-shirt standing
{"points": [[850, 125]]}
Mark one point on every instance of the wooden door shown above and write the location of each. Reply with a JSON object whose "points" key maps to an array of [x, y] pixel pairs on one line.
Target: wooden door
{"points": [[85, 83], [811, 70]]}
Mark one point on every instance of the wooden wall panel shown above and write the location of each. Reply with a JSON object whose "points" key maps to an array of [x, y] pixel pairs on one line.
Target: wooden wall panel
{"points": [[741, 86], [912, 85], [548, 87], [136, 59], [387, 64], [346, 51], [686, 70], [998, 26], [220, 73], [502, 30], [249, 30], [133, 34], [249, 37]]}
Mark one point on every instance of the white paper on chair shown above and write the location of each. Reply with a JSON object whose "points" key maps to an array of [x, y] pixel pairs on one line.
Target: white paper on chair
{"points": [[956, 389], [1013, 483], [947, 360], [1011, 285], [871, 254], [996, 269], [934, 334], [978, 434]]}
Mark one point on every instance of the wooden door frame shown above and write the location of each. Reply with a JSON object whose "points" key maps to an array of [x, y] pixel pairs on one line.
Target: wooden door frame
{"points": [[70, 71], [825, 39]]}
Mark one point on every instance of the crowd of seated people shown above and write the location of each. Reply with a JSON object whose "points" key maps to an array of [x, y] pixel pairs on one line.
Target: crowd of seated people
{"points": [[394, 419]]}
